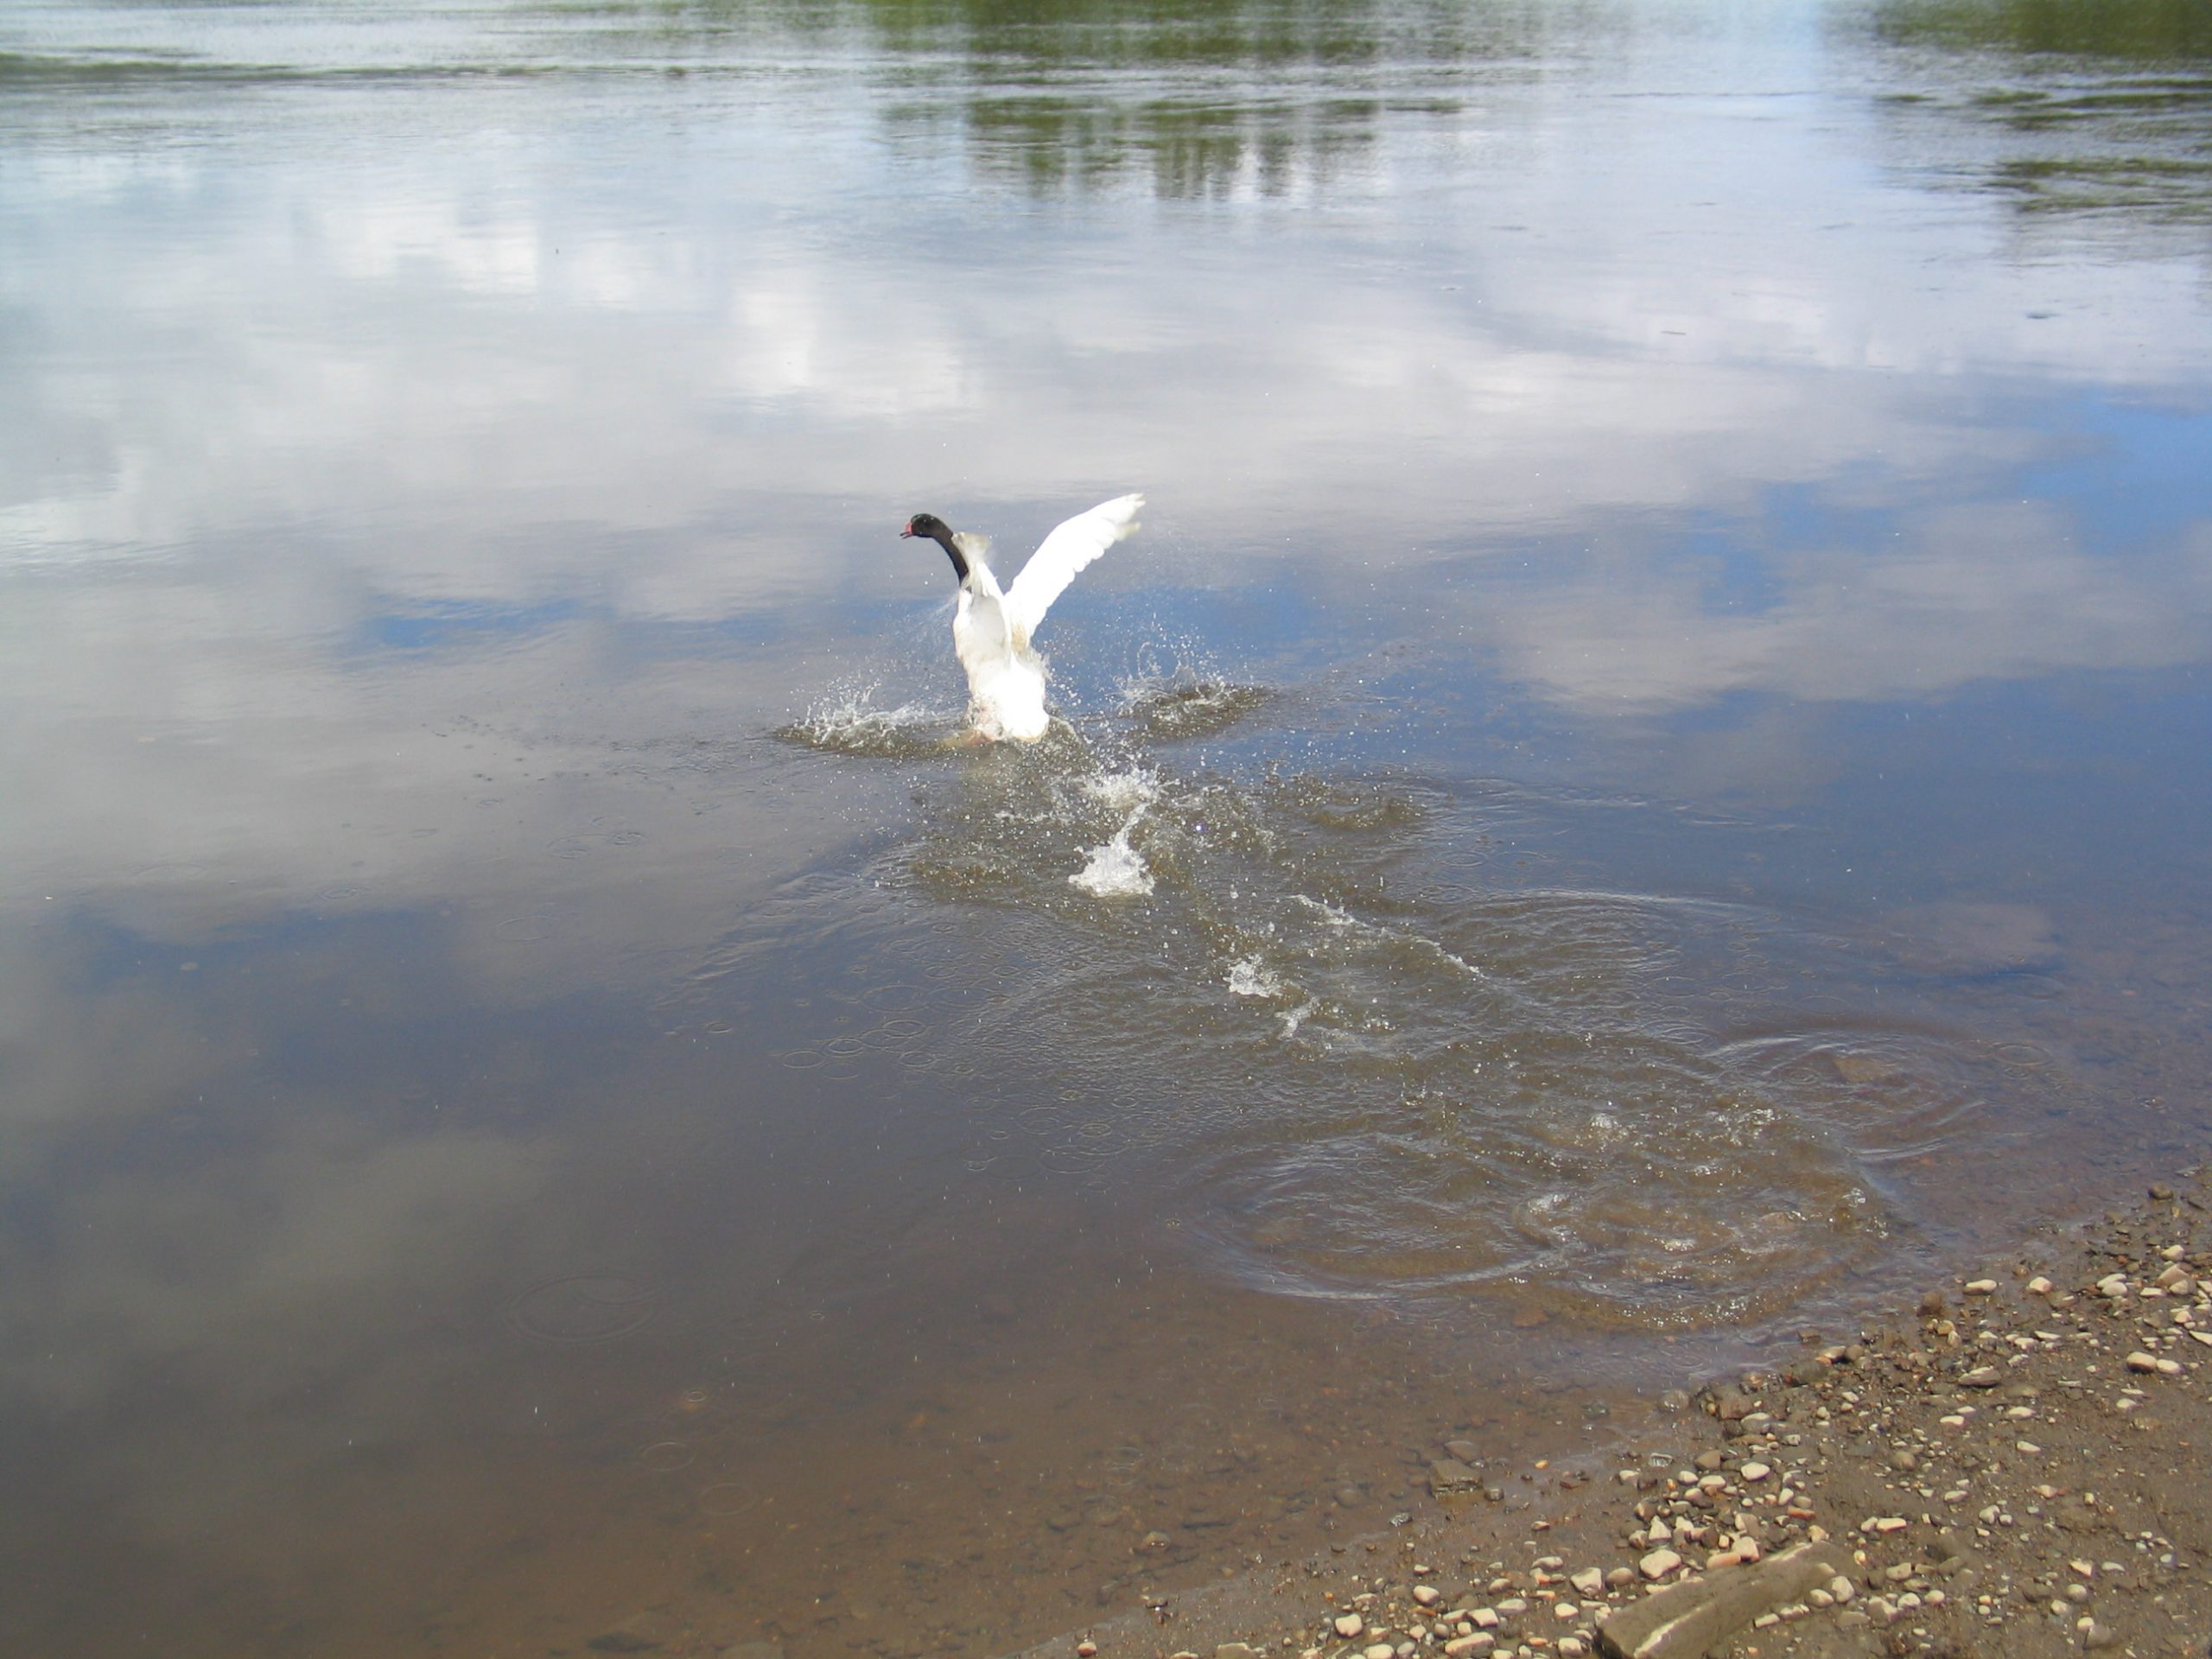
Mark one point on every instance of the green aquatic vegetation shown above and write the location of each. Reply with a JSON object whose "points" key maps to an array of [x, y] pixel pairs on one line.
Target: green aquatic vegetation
{"points": [[2077, 111], [2144, 30], [2173, 191]]}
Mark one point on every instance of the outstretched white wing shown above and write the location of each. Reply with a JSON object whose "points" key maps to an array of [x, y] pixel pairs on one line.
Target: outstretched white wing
{"points": [[1066, 550]]}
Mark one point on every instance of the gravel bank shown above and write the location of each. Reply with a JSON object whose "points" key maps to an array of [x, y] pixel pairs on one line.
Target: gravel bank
{"points": [[2016, 1467]]}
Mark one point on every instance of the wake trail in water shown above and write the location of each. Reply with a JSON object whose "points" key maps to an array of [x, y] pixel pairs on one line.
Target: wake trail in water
{"points": [[1298, 1006]]}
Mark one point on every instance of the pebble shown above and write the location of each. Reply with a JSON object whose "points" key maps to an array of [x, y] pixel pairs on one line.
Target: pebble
{"points": [[1658, 1564], [2040, 1286], [1981, 1287], [1086, 1649], [1588, 1582], [1450, 1475], [1350, 1625], [1469, 1647], [1755, 1472], [1380, 1650]]}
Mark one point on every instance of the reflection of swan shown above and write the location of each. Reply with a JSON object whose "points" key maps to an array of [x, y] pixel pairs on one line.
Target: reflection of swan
{"points": [[991, 629]]}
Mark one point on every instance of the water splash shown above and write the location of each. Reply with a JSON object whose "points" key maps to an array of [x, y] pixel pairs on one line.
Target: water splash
{"points": [[1175, 692], [1115, 869], [848, 721], [1201, 709], [1247, 977]]}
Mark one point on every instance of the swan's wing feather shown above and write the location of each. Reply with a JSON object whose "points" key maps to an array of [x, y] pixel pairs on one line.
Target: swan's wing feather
{"points": [[1069, 547], [973, 548]]}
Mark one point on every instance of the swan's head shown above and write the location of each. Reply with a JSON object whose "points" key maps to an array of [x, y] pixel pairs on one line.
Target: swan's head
{"points": [[929, 525]]}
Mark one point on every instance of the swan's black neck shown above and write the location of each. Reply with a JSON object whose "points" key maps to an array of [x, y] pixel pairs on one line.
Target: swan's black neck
{"points": [[942, 537]]}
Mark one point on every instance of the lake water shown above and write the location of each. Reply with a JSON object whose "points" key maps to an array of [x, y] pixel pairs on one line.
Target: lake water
{"points": [[1644, 784]]}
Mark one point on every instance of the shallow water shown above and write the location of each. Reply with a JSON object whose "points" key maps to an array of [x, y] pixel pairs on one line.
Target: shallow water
{"points": [[1642, 785]]}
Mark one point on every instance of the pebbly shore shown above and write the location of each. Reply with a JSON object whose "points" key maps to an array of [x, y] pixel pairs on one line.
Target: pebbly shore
{"points": [[2015, 1467]]}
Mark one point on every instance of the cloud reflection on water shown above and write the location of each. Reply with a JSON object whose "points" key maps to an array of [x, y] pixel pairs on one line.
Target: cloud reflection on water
{"points": [[453, 402]]}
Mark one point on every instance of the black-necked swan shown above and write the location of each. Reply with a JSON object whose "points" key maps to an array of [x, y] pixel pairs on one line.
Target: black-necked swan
{"points": [[991, 627]]}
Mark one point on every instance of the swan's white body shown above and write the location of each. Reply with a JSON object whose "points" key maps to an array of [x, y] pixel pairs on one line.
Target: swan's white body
{"points": [[991, 627]]}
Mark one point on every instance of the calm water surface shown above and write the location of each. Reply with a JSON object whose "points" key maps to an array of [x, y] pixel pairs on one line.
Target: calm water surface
{"points": [[1642, 785]]}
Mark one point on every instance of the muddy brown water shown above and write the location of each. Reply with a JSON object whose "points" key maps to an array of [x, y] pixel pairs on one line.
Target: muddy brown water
{"points": [[1640, 788]]}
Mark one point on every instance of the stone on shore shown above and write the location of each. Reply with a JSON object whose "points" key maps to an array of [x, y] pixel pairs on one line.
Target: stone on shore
{"points": [[1450, 1475], [1685, 1620]]}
